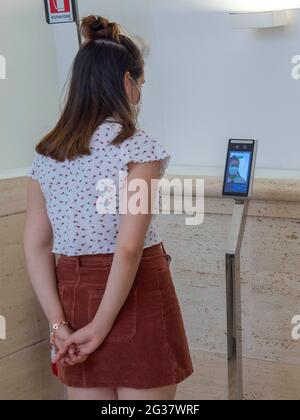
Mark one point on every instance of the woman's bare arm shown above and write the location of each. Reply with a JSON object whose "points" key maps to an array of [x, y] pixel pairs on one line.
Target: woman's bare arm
{"points": [[40, 261], [129, 248]]}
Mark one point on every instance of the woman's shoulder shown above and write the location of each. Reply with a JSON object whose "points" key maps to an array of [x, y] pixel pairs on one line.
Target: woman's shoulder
{"points": [[142, 147], [37, 166], [144, 141]]}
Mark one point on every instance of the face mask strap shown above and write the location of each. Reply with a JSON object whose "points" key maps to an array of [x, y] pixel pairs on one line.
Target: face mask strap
{"points": [[137, 106], [137, 86]]}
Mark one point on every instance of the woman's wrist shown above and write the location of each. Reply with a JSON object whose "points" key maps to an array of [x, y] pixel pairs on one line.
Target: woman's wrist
{"points": [[55, 318], [58, 324], [99, 329], [55, 327]]}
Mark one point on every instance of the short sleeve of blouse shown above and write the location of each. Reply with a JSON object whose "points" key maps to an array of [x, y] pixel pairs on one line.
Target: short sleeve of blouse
{"points": [[33, 171], [142, 148]]}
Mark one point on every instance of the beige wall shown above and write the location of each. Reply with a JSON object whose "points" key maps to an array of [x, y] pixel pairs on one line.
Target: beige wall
{"points": [[24, 355], [270, 293]]}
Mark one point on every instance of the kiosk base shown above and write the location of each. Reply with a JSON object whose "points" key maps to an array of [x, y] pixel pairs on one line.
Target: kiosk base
{"points": [[233, 297]]}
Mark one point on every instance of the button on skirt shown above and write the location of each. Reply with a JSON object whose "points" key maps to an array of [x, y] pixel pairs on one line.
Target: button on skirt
{"points": [[147, 345]]}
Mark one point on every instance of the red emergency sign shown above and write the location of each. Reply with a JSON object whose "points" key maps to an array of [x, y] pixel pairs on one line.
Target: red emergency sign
{"points": [[60, 6], [61, 11]]}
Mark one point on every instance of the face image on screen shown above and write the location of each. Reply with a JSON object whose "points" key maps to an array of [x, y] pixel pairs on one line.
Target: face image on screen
{"points": [[238, 172]]}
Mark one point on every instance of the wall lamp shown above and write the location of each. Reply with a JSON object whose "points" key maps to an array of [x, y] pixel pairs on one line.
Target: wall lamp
{"points": [[259, 20]]}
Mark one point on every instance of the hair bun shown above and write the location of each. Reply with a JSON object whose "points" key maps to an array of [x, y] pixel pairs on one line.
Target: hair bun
{"points": [[97, 27]]}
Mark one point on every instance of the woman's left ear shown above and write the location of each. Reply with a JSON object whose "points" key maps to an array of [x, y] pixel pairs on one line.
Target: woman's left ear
{"points": [[128, 83], [127, 79]]}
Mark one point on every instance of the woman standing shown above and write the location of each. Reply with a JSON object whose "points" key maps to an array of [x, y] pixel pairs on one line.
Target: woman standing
{"points": [[110, 300]]}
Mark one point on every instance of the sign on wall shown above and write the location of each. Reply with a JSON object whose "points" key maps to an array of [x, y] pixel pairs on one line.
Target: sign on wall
{"points": [[61, 11]]}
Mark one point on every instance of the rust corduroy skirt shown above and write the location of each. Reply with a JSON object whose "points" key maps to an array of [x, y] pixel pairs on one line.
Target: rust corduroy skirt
{"points": [[147, 346]]}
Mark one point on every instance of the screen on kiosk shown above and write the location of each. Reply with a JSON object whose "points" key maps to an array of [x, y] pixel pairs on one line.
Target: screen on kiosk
{"points": [[238, 172]]}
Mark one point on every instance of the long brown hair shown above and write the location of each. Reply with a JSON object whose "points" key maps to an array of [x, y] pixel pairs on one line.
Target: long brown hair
{"points": [[96, 90]]}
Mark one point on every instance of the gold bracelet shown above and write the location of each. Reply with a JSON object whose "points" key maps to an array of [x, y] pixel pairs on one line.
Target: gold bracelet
{"points": [[52, 338], [55, 327], [58, 324]]}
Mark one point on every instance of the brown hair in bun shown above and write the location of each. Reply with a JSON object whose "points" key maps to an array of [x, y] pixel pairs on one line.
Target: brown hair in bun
{"points": [[97, 27], [96, 90]]}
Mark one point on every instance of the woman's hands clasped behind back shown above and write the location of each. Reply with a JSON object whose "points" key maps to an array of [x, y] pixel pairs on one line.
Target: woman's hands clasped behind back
{"points": [[79, 345], [76, 347]]}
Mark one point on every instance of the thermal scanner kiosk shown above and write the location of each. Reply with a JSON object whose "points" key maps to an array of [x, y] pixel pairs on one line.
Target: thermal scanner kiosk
{"points": [[238, 184]]}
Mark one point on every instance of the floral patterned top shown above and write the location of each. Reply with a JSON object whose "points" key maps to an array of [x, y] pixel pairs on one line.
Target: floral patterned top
{"points": [[72, 190]]}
